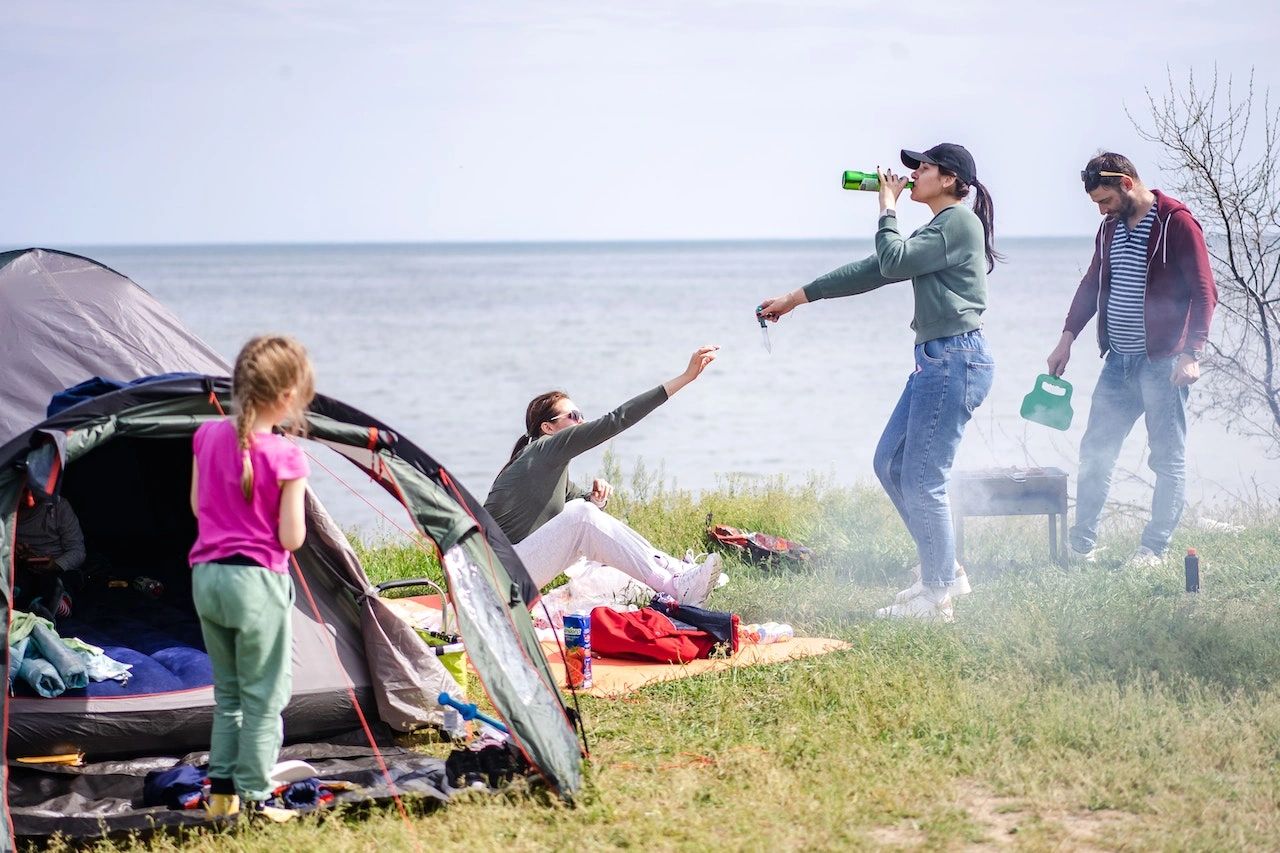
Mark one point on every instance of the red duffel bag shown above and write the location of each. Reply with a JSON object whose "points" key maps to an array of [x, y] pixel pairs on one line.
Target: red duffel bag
{"points": [[646, 634]]}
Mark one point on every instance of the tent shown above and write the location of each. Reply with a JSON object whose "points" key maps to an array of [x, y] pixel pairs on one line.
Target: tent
{"points": [[122, 459]]}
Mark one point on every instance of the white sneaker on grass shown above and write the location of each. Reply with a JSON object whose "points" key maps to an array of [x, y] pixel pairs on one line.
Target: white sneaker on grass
{"points": [[1144, 558], [694, 584], [960, 587], [924, 606], [1090, 556]]}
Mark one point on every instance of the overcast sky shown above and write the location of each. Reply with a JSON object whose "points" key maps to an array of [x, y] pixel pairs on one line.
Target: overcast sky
{"points": [[423, 120]]}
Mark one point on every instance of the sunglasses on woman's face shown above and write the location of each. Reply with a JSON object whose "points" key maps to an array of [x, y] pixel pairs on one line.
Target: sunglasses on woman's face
{"points": [[573, 415]]}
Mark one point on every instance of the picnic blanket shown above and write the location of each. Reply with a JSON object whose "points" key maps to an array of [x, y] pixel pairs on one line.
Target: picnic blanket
{"points": [[612, 678]]}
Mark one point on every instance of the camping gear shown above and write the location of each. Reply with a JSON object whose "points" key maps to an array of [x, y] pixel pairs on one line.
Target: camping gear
{"points": [[1191, 566], [67, 759], [180, 787], [69, 665], [721, 625], [303, 795], [647, 634], [763, 548], [1049, 402], [764, 328], [487, 761], [1012, 491], [116, 788], [470, 712], [123, 459], [616, 677]]}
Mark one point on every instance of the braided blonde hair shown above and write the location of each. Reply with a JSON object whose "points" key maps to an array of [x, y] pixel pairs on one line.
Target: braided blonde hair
{"points": [[267, 368]]}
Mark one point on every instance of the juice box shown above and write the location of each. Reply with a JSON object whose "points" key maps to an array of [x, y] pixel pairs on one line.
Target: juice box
{"points": [[577, 650]]}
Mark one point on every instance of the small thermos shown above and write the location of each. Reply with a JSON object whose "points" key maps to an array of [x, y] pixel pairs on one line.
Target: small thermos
{"points": [[1192, 564]]}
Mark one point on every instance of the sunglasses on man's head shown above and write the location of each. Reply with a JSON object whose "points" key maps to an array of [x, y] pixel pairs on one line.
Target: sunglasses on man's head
{"points": [[573, 415], [1088, 175]]}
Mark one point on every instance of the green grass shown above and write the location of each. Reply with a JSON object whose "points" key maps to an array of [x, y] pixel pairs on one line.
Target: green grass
{"points": [[1101, 708]]}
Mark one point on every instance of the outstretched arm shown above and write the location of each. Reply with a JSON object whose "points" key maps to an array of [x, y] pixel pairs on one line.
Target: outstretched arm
{"points": [[698, 362], [568, 443]]}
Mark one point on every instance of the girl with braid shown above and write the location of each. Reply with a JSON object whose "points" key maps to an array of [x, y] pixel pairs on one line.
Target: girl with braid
{"points": [[247, 490]]}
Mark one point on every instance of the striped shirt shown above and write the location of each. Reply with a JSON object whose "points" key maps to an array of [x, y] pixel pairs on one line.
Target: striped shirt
{"points": [[1126, 327]]}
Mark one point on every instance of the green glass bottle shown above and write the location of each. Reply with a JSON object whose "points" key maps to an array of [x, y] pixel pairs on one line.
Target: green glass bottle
{"points": [[868, 181]]}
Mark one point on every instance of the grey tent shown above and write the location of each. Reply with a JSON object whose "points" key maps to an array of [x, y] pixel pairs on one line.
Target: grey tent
{"points": [[64, 318], [122, 459]]}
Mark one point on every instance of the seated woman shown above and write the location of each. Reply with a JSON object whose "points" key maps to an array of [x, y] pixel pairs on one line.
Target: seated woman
{"points": [[551, 522]]}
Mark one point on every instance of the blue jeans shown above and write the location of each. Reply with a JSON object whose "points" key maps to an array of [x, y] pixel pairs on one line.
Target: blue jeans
{"points": [[913, 460], [1129, 386]]}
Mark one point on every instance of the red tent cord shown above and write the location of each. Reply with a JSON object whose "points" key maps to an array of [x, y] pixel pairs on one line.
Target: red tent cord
{"points": [[355, 703], [412, 535]]}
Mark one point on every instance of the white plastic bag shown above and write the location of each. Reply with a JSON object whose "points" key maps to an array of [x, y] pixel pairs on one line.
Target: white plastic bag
{"points": [[591, 584]]}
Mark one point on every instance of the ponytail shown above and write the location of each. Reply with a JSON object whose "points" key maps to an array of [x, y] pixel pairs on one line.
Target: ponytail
{"points": [[244, 423], [985, 208], [541, 409], [521, 443]]}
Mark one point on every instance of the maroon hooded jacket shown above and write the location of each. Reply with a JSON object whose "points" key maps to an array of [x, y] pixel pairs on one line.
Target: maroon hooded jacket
{"points": [[1180, 293]]}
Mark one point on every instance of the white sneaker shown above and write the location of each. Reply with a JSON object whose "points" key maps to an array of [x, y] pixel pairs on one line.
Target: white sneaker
{"points": [[694, 585], [691, 558], [1144, 558], [960, 587], [1090, 556], [920, 607]]}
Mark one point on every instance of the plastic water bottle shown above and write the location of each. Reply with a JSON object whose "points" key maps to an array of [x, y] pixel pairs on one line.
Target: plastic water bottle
{"points": [[769, 632], [453, 724], [149, 587]]}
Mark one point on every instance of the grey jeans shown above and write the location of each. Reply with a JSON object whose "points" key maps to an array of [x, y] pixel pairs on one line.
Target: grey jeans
{"points": [[1130, 386]]}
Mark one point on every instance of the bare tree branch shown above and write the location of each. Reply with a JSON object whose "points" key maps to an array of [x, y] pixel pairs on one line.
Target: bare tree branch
{"points": [[1221, 149]]}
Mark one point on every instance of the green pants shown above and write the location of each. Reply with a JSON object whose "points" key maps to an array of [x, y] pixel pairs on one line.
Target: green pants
{"points": [[246, 617]]}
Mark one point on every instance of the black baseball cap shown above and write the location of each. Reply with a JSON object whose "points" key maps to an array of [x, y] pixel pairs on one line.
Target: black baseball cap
{"points": [[954, 158]]}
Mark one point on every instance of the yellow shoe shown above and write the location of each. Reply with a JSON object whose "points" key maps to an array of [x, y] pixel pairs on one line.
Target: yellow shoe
{"points": [[223, 805], [275, 814]]}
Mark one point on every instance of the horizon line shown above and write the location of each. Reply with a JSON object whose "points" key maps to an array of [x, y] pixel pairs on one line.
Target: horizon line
{"points": [[8, 246]]}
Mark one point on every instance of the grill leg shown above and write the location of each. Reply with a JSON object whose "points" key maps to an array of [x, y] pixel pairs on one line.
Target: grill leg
{"points": [[1066, 547], [1053, 537]]}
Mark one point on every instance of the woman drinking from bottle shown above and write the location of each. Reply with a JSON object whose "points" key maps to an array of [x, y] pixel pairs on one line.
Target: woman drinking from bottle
{"points": [[947, 262]]}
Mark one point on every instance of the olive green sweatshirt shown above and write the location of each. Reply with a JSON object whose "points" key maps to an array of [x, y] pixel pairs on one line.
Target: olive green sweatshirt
{"points": [[945, 261], [533, 488]]}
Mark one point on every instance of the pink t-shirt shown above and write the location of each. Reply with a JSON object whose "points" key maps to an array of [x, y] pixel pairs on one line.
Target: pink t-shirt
{"points": [[227, 523]]}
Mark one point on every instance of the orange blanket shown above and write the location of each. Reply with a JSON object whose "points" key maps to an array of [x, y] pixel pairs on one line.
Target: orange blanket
{"points": [[612, 678]]}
